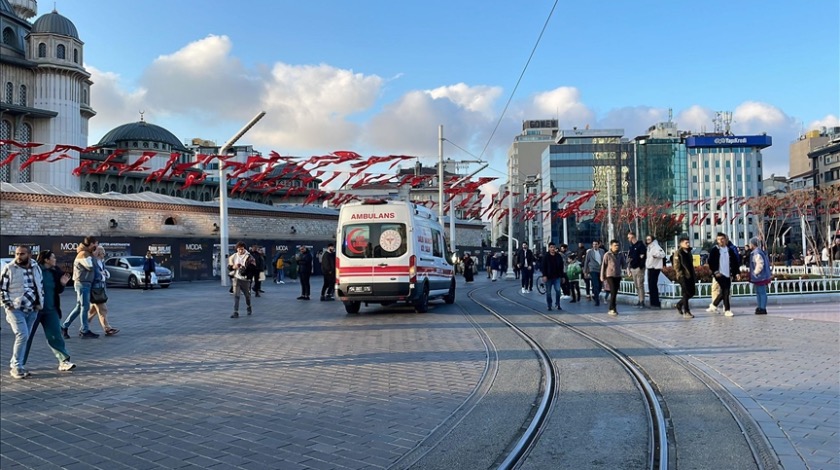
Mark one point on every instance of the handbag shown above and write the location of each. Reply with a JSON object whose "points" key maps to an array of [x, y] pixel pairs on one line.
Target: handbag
{"points": [[98, 295]]}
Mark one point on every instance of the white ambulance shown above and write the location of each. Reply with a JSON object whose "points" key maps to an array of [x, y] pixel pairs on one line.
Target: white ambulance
{"points": [[391, 252]]}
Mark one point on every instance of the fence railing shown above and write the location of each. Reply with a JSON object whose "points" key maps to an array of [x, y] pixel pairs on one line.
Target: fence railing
{"points": [[808, 270], [745, 289]]}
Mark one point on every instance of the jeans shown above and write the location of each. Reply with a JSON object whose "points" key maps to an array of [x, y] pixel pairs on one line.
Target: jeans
{"points": [[304, 284], [328, 288], [52, 330], [527, 278], [595, 277], [21, 323], [82, 307], [242, 286], [724, 294], [552, 284], [279, 275], [761, 296], [653, 286], [614, 283]]}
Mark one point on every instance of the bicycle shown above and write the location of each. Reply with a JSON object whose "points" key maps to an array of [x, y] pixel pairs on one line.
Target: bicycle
{"points": [[540, 285]]}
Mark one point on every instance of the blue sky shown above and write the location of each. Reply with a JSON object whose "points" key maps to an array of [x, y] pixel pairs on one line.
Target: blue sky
{"points": [[378, 77]]}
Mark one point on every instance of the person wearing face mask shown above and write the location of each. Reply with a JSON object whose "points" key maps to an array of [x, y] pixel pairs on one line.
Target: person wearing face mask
{"points": [[22, 295], [54, 280]]}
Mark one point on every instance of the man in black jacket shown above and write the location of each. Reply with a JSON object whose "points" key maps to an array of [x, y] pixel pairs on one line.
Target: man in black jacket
{"points": [[304, 266], [525, 261], [552, 269], [637, 253], [259, 259], [328, 268], [683, 262], [724, 266]]}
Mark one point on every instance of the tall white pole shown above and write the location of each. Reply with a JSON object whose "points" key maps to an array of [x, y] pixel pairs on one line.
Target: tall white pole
{"points": [[223, 203], [744, 200], [440, 174], [733, 190], [510, 186], [566, 226], [610, 229], [452, 224], [635, 190]]}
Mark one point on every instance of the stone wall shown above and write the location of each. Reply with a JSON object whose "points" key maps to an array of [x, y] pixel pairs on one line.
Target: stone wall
{"points": [[51, 215]]}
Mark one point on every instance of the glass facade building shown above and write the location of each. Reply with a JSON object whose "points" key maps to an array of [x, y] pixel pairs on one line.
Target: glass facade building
{"points": [[586, 160]]}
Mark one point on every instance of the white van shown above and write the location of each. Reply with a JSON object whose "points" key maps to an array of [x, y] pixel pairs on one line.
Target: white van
{"points": [[390, 252]]}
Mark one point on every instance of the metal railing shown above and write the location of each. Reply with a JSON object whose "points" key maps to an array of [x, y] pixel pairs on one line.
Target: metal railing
{"points": [[746, 289]]}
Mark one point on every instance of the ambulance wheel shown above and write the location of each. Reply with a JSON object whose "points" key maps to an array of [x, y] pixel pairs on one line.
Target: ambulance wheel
{"points": [[352, 307], [450, 297], [422, 304]]}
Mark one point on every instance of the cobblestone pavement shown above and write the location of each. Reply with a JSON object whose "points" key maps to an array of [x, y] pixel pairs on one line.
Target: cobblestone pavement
{"points": [[302, 385]]}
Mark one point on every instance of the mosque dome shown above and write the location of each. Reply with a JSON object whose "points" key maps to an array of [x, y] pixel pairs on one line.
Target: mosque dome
{"points": [[53, 23], [140, 132]]}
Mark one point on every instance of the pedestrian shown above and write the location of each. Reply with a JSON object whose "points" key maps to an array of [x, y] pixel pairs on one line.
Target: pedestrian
{"points": [[83, 273], [516, 265], [469, 266], [760, 274], [279, 266], [552, 270], [724, 266], [637, 255], [573, 273], [243, 267], [99, 307], [592, 269], [654, 261], [825, 256], [22, 292], [304, 269], [835, 250], [564, 280], [526, 268], [611, 269], [54, 280], [683, 263], [148, 270], [581, 256], [259, 275], [503, 264], [788, 255], [495, 266], [810, 260], [328, 269], [488, 265]]}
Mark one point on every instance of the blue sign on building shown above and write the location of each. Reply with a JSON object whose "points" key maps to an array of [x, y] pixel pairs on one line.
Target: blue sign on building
{"points": [[759, 141]]}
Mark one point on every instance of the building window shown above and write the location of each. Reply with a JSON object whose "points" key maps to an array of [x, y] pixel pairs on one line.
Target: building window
{"points": [[5, 134], [75, 55], [42, 50], [9, 38], [10, 92], [22, 95], [84, 97], [170, 220], [59, 51], [25, 176]]}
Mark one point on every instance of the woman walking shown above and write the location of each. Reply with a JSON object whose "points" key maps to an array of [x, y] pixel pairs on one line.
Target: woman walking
{"points": [[98, 306], [760, 274], [469, 266], [82, 278], [49, 316]]}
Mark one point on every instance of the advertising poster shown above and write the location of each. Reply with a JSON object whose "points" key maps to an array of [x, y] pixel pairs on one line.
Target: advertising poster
{"points": [[115, 249], [162, 252], [195, 259]]}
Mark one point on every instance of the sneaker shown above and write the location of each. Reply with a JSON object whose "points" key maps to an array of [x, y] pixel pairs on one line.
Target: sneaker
{"points": [[64, 333], [712, 309], [612, 312], [88, 334], [761, 311], [281, 282], [17, 374], [729, 313], [66, 365], [597, 303], [549, 308], [235, 315], [301, 297], [249, 311], [687, 314], [558, 307]]}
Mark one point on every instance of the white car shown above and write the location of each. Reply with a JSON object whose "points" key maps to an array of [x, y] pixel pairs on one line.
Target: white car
{"points": [[128, 271]]}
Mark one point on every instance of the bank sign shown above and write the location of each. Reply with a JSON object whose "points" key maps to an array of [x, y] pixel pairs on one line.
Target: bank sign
{"points": [[751, 141]]}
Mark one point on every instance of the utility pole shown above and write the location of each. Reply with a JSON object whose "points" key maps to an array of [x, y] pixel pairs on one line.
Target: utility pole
{"points": [[510, 186], [223, 203]]}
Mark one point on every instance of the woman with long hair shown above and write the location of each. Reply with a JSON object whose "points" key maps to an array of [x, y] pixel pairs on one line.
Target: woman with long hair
{"points": [[99, 279]]}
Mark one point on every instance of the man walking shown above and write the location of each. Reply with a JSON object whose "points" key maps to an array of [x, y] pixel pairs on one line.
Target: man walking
{"points": [[724, 266], [581, 257], [304, 268], [611, 269], [564, 279], [243, 268], [637, 255], [553, 270], [592, 269], [328, 268], [22, 292], [259, 261], [526, 268], [684, 269], [654, 261]]}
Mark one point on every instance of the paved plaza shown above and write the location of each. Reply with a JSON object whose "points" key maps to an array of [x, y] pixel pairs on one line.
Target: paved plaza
{"points": [[303, 385]]}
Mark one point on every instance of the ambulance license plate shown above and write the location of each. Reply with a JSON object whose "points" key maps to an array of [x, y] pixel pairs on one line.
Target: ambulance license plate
{"points": [[360, 290]]}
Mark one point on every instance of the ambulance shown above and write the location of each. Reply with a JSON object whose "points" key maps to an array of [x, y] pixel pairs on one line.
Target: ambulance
{"points": [[391, 252]]}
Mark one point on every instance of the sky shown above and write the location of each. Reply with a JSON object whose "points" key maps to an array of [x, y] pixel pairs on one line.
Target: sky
{"points": [[379, 77]]}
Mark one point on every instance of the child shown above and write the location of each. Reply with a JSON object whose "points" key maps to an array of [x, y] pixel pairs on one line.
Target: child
{"points": [[573, 272]]}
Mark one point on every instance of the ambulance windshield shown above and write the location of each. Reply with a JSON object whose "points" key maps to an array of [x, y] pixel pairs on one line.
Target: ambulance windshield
{"points": [[374, 240]]}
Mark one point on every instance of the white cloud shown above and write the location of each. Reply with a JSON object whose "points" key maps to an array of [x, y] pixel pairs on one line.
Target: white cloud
{"points": [[113, 104], [562, 103], [479, 99], [829, 120]]}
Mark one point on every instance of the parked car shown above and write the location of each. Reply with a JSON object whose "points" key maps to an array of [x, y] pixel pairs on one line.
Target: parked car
{"points": [[128, 271]]}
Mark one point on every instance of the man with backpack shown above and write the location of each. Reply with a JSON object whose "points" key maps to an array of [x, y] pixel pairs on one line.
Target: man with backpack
{"points": [[243, 268]]}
